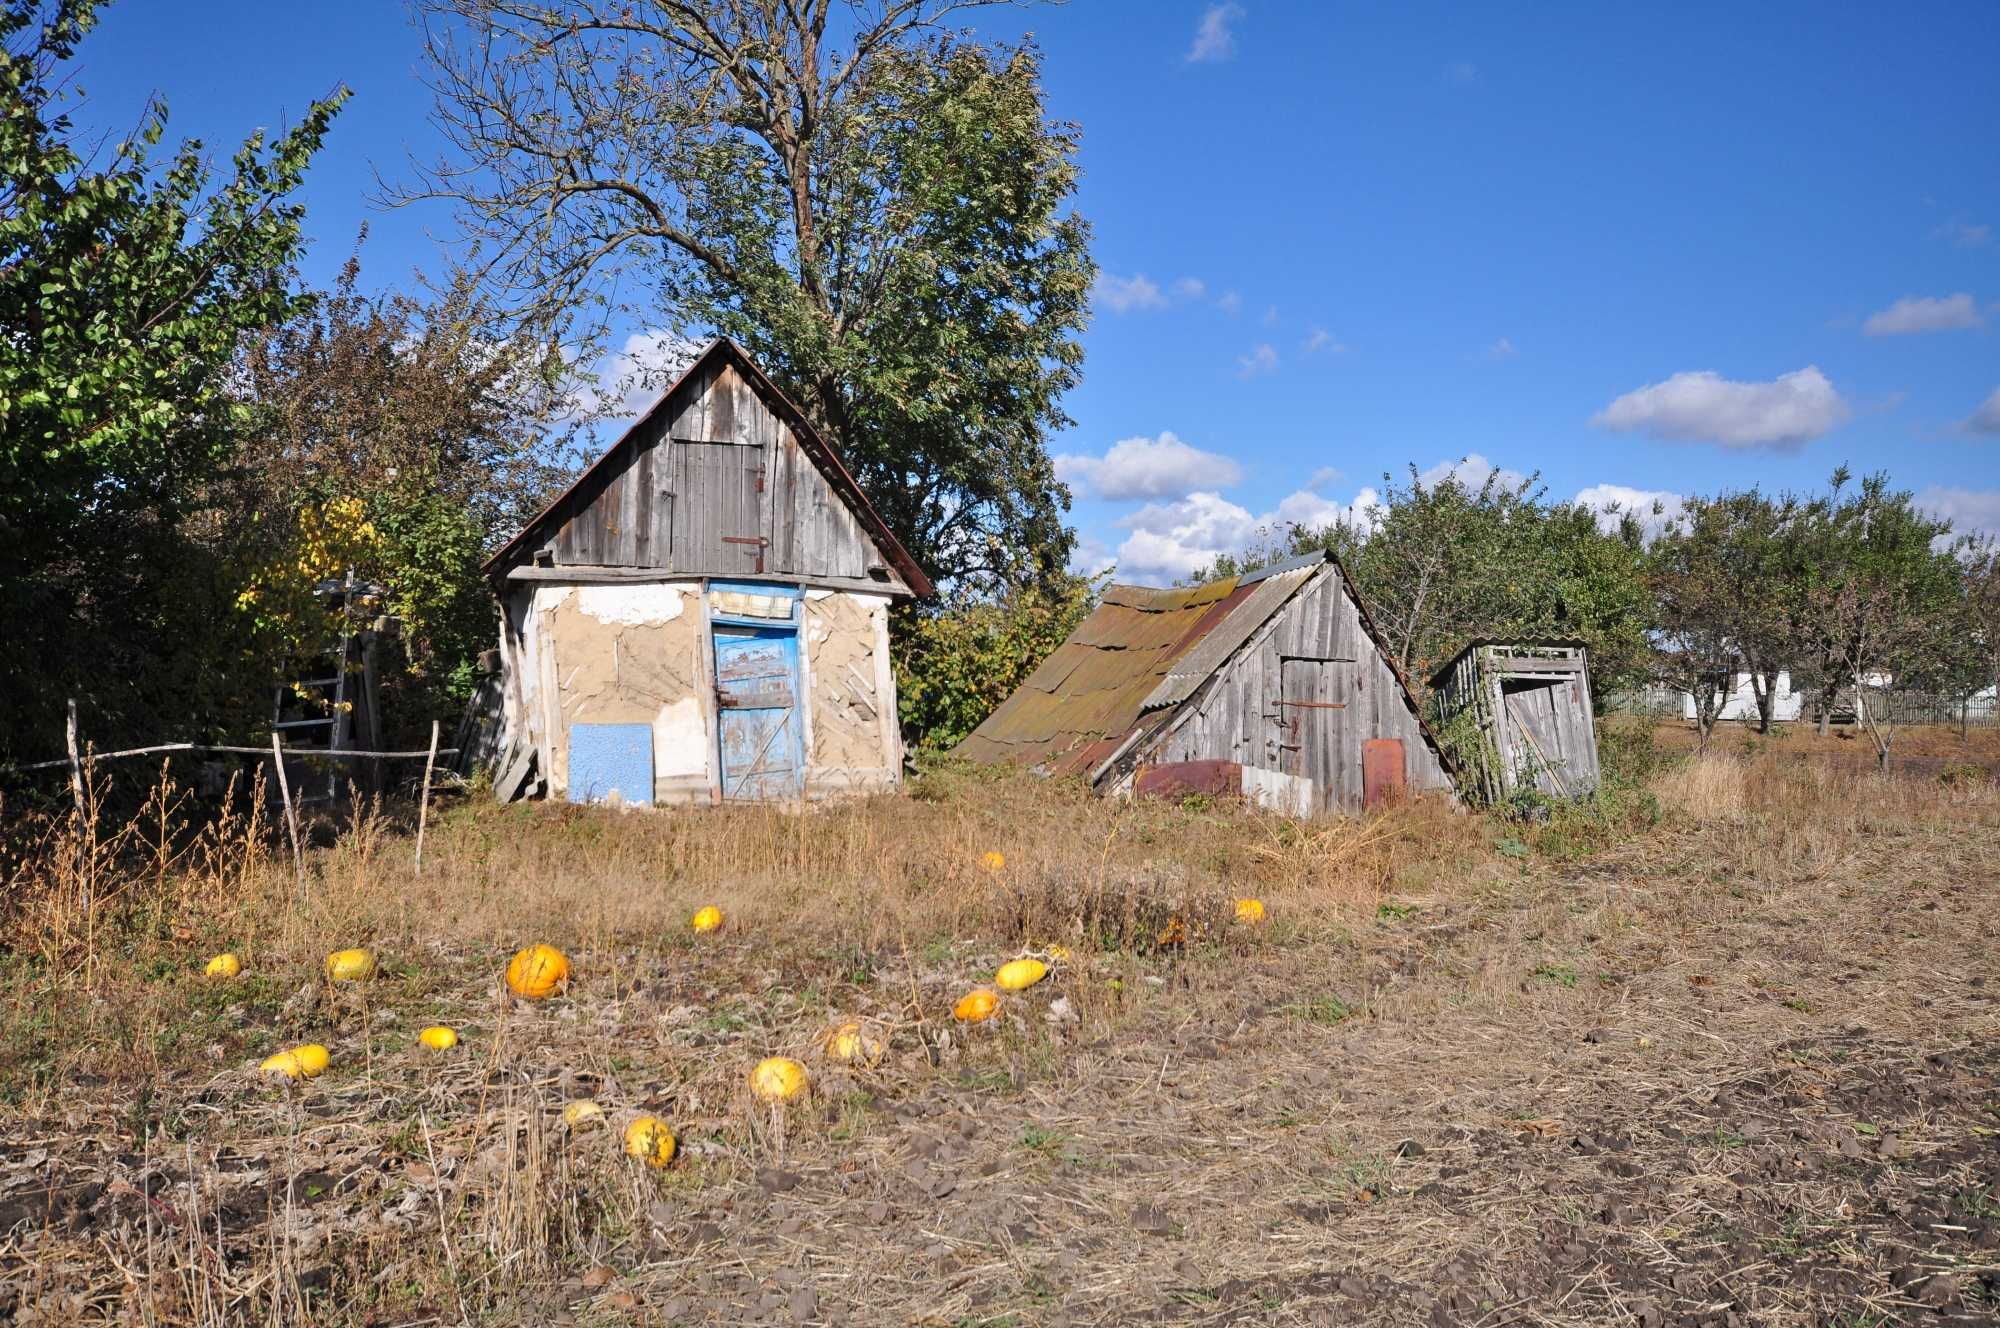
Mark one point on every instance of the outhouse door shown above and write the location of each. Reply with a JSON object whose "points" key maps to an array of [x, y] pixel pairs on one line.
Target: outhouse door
{"points": [[757, 695]]}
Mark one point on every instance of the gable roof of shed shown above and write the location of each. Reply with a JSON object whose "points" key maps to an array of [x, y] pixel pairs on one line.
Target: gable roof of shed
{"points": [[811, 442], [1121, 673], [1125, 671]]}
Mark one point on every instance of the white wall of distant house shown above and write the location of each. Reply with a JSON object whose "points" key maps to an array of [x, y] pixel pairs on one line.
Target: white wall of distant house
{"points": [[1741, 703]]}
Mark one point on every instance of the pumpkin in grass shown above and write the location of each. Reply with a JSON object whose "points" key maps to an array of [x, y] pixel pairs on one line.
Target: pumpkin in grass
{"points": [[1020, 975], [650, 1140], [993, 860], [298, 1063], [706, 920], [584, 1111], [224, 965], [355, 965], [538, 971], [438, 1037], [778, 1079], [976, 1006], [1250, 910], [852, 1043]]}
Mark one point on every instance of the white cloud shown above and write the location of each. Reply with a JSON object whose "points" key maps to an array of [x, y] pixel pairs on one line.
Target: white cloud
{"points": [[1708, 408], [1970, 511], [1924, 313], [1461, 72], [1214, 39], [1163, 467], [1610, 501], [1324, 478], [1963, 234], [1229, 302], [1091, 556], [1270, 315], [1122, 295], [1987, 418], [1169, 541], [1322, 340], [632, 377], [1190, 288], [1503, 349], [1263, 359]]}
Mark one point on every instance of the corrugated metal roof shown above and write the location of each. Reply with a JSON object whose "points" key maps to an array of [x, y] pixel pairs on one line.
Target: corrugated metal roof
{"points": [[1097, 688], [1208, 654]]}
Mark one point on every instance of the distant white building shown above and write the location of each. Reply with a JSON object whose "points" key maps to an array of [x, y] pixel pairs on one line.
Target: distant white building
{"points": [[1740, 700]]}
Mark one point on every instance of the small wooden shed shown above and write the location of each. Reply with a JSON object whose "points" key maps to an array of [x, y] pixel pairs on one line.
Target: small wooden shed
{"points": [[1518, 715], [1274, 685], [704, 615]]}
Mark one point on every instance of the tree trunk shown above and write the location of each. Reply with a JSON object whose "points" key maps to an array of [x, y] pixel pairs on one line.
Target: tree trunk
{"points": [[1765, 687]]}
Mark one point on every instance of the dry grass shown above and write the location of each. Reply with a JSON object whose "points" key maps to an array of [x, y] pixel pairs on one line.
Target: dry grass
{"points": [[1196, 1133]]}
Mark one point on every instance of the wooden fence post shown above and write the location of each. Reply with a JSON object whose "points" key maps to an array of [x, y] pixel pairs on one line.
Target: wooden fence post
{"points": [[75, 764], [291, 816], [424, 802]]}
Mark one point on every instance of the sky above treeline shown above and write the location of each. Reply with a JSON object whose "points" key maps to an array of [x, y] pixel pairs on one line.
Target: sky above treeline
{"points": [[1642, 253]]}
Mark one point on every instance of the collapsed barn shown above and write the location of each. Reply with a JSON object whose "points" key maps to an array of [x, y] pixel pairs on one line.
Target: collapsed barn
{"points": [[1274, 685], [704, 615]]}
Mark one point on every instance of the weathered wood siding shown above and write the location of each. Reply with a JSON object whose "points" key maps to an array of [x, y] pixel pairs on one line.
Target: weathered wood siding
{"points": [[1521, 710], [714, 484], [1301, 697]]}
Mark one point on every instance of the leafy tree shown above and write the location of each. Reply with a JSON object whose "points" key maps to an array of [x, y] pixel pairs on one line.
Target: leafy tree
{"points": [[442, 438], [958, 663], [878, 213], [1447, 562], [1881, 596], [1689, 574], [126, 285]]}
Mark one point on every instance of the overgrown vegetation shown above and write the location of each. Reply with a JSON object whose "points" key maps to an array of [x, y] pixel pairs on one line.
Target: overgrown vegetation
{"points": [[1436, 999]]}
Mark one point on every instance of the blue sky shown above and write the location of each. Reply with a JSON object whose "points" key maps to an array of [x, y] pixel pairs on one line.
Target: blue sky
{"points": [[1643, 252]]}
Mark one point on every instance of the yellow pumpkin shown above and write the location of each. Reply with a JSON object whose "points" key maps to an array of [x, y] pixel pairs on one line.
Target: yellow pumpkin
{"points": [[1174, 933], [993, 860], [975, 1006], [706, 920], [298, 1063], [778, 1079], [650, 1140], [851, 1043], [538, 971], [584, 1111], [224, 965], [1250, 910], [439, 1038], [356, 965], [1020, 975]]}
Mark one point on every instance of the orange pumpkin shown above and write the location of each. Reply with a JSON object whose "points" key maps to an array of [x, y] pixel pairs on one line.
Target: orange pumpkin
{"points": [[538, 971]]}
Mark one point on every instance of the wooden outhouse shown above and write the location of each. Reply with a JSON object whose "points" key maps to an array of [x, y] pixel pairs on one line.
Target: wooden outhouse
{"points": [[704, 615], [1273, 685], [1517, 715]]}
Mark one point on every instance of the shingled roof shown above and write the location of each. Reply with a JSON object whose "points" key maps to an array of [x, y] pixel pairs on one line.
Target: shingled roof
{"points": [[1121, 674]]}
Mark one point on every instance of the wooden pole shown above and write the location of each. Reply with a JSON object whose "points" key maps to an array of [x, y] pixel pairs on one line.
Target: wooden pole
{"points": [[291, 816], [75, 763], [424, 802]]}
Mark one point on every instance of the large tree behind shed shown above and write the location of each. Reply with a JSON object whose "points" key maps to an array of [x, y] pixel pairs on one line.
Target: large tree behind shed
{"points": [[874, 206]]}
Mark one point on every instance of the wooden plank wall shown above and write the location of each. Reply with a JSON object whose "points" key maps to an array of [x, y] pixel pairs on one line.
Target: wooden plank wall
{"points": [[715, 464], [1317, 639]]}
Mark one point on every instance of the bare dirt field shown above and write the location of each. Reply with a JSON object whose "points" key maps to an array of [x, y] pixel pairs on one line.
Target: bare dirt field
{"points": [[1722, 1052]]}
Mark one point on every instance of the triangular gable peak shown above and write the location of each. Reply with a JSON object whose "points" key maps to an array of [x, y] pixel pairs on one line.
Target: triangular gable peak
{"points": [[723, 477]]}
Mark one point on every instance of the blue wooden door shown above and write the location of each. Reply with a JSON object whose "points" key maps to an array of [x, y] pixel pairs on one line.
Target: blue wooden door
{"points": [[757, 695]]}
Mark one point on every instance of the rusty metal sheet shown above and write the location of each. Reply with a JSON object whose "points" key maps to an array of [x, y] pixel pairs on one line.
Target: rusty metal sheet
{"points": [[1384, 776], [1177, 779]]}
